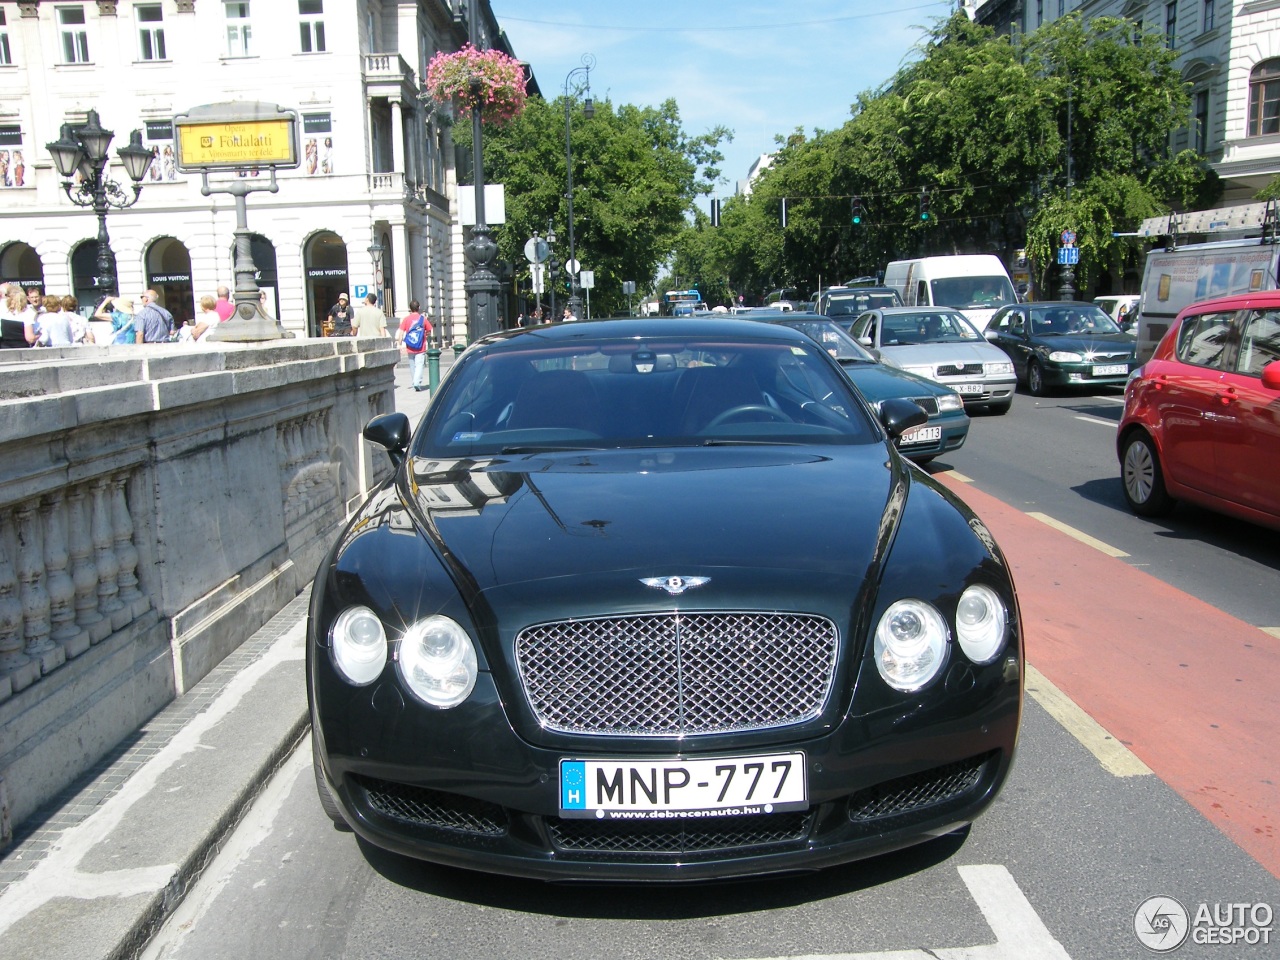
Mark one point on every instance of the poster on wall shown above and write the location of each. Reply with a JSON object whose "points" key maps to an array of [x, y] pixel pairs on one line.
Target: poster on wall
{"points": [[13, 165], [317, 138], [158, 137]]}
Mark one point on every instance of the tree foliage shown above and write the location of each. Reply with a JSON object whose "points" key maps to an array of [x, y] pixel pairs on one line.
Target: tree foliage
{"points": [[636, 174], [983, 125]]}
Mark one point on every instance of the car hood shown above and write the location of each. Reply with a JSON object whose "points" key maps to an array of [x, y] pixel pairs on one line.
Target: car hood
{"points": [[1108, 343], [977, 351], [578, 532], [879, 381]]}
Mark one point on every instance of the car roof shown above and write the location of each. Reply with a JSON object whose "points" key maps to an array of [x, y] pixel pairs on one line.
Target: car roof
{"points": [[711, 326], [1239, 301], [893, 311]]}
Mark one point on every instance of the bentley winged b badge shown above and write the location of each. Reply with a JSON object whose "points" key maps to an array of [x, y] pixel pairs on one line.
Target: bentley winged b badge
{"points": [[674, 585]]}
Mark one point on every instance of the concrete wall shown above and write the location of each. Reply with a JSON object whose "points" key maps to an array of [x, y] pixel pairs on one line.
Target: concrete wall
{"points": [[158, 504]]}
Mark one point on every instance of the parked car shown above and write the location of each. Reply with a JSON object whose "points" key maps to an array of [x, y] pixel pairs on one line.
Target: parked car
{"points": [[1200, 419], [941, 344], [844, 304], [1063, 343], [655, 601], [948, 424]]}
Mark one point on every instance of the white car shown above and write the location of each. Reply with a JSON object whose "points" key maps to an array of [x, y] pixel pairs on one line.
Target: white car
{"points": [[1120, 307]]}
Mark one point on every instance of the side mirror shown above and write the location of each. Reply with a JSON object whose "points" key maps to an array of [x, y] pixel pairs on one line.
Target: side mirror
{"points": [[990, 334], [899, 416], [865, 341], [391, 431], [1271, 375]]}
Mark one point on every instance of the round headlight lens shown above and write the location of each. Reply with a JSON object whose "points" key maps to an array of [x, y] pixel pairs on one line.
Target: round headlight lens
{"points": [[910, 644], [438, 662], [981, 623], [359, 645]]}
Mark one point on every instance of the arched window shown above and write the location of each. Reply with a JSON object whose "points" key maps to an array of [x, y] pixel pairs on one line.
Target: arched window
{"points": [[1264, 99]]}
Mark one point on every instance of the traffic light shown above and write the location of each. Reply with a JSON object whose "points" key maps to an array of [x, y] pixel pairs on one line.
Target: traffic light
{"points": [[857, 210], [924, 205]]}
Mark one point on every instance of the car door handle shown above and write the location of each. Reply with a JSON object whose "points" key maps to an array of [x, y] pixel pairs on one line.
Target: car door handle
{"points": [[1227, 397]]}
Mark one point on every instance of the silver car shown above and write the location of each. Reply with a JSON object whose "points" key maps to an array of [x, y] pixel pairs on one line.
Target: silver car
{"points": [[939, 343]]}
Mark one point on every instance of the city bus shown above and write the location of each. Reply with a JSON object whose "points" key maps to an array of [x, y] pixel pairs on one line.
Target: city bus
{"points": [[681, 303]]}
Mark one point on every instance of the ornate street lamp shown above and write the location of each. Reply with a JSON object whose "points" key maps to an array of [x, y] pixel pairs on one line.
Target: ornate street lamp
{"points": [[375, 254], [83, 150], [553, 267], [588, 111]]}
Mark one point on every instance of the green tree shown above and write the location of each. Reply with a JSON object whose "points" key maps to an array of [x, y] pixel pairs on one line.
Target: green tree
{"points": [[636, 174]]}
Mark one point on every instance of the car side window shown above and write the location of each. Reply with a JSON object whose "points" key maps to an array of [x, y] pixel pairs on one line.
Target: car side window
{"points": [[1259, 342], [1204, 339]]}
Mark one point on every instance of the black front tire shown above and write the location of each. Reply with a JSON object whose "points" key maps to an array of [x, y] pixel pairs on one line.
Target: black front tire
{"points": [[1142, 477]]}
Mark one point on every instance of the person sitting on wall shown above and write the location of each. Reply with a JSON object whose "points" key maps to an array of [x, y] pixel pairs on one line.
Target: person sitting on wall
{"points": [[338, 323]]}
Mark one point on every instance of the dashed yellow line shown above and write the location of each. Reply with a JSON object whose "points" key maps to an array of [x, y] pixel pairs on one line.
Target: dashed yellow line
{"points": [[1084, 538], [1115, 757], [960, 477]]}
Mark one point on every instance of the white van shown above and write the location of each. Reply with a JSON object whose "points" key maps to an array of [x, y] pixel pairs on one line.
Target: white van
{"points": [[975, 284], [1177, 278]]}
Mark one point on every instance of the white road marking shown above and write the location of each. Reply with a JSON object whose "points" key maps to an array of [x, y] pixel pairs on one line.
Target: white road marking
{"points": [[960, 477], [59, 875], [1020, 933], [1274, 631], [1084, 538], [1106, 423], [1115, 757]]}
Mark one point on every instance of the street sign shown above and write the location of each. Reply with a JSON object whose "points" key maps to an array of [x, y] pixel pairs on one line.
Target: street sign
{"points": [[361, 291], [628, 287], [1068, 238], [1068, 256], [587, 279], [573, 266], [536, 250], [537, 271]]}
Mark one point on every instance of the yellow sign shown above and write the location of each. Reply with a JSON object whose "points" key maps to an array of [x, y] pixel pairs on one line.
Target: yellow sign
{"points": [[240, 143]]}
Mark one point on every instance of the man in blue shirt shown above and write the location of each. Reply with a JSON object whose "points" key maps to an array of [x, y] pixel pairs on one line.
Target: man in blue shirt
{"points": [[153, 323]]}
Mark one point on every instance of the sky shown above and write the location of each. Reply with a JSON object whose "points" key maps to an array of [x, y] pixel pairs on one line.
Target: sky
{"points": [[758, 68]]}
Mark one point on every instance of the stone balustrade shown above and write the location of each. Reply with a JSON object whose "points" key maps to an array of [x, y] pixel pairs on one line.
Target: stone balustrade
{"points": [[158, 504]]}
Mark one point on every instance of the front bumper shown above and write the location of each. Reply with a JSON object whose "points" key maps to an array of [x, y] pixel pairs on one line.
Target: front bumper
{"points": [[1081, 375], [982, 392], [460, 787]]}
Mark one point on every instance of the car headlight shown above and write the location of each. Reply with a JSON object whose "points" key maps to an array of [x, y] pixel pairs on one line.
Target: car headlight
{"points": [[1066, 356], [358, 645], [438, 662], [920, 371], [981, 623], [950, 402], [910, 644], [998, 369]]}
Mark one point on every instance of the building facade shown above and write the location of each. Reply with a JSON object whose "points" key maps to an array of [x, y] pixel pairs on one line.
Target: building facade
{"points": [[1229, 55], [376, 155]]}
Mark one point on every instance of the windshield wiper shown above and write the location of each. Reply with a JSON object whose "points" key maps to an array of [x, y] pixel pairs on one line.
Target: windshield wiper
{"points": [[548, 448], [727, 442]]}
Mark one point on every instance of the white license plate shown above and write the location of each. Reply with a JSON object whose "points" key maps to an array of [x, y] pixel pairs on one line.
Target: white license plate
{"points": [[669, 789], [1110, 369], [921, 435], [966, 387]]}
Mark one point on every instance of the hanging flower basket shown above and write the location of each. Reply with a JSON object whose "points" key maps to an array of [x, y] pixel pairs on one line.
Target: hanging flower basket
{"points": [[472, 78]]}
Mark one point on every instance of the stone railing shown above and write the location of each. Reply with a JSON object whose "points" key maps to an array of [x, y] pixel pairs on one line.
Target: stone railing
{"points": [[158, 504]]}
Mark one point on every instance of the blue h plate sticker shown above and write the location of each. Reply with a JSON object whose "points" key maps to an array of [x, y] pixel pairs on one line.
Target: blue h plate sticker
{"points": [[573, 785]]}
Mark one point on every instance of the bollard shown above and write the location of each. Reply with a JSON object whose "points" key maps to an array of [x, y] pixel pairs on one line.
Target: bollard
{"points": [[433, 368], [458, 347]]}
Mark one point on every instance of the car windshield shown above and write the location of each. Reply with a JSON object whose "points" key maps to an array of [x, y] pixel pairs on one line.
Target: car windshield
{"points": [[834, 339], [1071, 320], [529, 394], [973, 292], [900, 328], [857, 304]]}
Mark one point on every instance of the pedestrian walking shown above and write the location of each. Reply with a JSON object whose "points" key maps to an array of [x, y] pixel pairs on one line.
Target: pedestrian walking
{"points": [[338, 323], [152, 323], [369, 320], [413, 333]]}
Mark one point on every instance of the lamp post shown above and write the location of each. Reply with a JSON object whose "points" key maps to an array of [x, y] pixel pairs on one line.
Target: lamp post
{"points": [[553, 267], [83, 149], [375, 254], [483, 285], [588, 111]]}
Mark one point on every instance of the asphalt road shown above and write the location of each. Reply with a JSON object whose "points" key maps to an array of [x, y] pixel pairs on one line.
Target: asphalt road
{"points": [[1092, 823]]}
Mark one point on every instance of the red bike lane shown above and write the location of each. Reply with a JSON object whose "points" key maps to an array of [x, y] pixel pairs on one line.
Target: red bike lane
{"points": [[1192, 691]]}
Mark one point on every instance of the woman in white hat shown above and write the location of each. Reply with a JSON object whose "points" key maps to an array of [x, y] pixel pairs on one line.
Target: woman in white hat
{"points": [[120, 316]]}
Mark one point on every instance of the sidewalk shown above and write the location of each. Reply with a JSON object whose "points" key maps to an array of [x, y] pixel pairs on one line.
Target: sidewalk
{"points": [[96, 871]]}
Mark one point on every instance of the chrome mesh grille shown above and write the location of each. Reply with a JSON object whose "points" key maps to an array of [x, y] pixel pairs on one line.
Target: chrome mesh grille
{"points": [[918, 791], [675, 674], [432, 808], [678, 836]]}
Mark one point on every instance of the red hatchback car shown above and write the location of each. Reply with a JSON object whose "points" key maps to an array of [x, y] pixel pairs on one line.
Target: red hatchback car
{"points": [[1202, 416]]}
